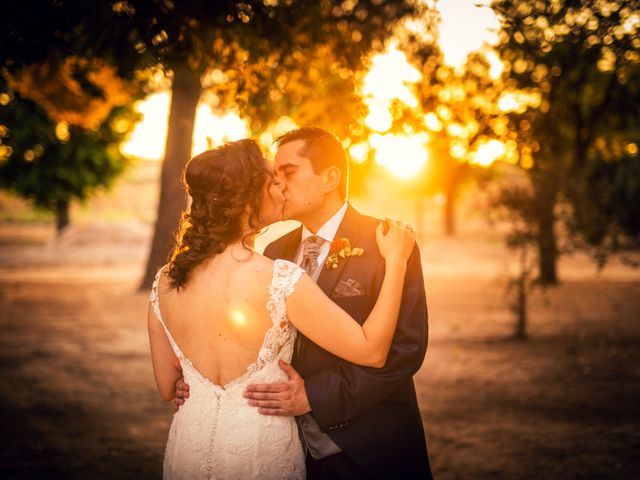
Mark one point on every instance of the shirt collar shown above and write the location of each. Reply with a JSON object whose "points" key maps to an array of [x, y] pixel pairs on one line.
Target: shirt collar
{"points": [[328, 231]]}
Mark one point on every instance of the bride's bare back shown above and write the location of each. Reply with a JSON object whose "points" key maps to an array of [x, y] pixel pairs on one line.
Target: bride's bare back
{"points": [[219, 318]]}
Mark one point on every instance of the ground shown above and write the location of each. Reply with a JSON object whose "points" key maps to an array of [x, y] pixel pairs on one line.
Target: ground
{"points": [[78, 397]]}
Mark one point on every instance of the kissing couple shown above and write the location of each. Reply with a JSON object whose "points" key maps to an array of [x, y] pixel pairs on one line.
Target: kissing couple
{"points": [[297, 363]]}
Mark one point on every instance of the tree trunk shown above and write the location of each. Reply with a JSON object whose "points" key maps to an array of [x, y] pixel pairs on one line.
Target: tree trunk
{"points": [[548, 255], [521, 300], [62, 216], [545, 187], [449, 214], [452, 185], [521, 309], [185, 95]]}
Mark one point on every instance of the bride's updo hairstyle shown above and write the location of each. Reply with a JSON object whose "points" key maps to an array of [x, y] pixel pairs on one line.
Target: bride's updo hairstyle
{"points": [[221, 183]]}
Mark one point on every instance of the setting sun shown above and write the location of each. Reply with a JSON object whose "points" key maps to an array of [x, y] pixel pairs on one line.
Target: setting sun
{"points": [[388, 81], [403, 156]]}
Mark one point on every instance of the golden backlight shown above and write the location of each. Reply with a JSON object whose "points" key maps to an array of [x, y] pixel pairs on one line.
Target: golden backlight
{"points": [[403, 156], [150, 135], [464, 28], [389, 80]]}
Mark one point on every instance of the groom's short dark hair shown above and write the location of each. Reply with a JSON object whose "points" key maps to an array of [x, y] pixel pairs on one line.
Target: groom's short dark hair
{"points": [[323, 149]]}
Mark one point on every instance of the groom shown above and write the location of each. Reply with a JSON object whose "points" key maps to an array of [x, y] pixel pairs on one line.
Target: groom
{"points": [[355, 422]]}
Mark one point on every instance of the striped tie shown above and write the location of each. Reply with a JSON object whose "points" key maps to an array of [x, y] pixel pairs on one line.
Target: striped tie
{"points": [[310, 251]]}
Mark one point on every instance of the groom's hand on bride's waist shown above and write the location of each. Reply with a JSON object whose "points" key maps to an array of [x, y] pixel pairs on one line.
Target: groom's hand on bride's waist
{"points": [[287, 399], [182, 393]]}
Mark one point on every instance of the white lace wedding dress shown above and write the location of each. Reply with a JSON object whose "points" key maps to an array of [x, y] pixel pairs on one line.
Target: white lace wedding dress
{"points": [[216, 434]]}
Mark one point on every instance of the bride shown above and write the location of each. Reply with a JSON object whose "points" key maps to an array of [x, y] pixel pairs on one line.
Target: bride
{"points": [[222, 315]]}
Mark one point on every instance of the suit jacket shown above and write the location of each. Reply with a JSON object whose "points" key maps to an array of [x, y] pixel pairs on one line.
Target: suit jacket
{"points": [[371, 414]]}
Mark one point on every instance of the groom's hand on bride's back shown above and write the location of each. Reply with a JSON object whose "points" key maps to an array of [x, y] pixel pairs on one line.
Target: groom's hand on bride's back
{"points": [[286, 399], [182, 393]]}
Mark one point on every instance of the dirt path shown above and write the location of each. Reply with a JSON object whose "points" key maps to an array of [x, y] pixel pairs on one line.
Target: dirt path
{"points": [[79, 399]]}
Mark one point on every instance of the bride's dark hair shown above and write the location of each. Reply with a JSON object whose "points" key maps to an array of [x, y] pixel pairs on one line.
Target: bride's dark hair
{"points": [[222, 183]]}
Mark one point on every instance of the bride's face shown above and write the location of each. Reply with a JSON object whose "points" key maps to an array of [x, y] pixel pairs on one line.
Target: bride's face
{"points": [[272, 201]]}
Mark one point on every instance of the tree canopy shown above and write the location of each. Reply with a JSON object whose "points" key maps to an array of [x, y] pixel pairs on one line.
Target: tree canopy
{"points": [[54, 162], [259, 46], [573, 70]]}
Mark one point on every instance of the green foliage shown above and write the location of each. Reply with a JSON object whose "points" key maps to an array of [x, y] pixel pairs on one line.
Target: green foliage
{"points": [[606, 206], [576, 68], [53, 163], [253, 44]]}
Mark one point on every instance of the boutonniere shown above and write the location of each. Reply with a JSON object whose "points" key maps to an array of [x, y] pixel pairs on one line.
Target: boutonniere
{"points": [[341, 248]]}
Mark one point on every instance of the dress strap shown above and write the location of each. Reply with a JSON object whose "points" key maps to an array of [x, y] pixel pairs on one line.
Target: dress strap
{"points": [[285, 276], [155, 304], [153, 297]]}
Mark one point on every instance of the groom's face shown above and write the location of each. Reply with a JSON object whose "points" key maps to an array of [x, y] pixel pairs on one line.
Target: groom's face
{"points": [[303, 189]]}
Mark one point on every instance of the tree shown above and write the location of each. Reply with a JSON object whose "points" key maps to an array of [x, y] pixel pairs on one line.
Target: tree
{"points": [[458, 108], [53, 163], [456, 112], [574, 64], [63, 112], [249, 39], [511, 203]]}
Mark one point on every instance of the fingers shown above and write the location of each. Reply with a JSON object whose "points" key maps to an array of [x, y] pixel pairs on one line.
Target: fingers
{"points": [[400, 228], [182, 394], [182, 389], [267, 396], [271, 408], [181, 385], [267, 404], [273, 411], [268, 387], [177, 403]]}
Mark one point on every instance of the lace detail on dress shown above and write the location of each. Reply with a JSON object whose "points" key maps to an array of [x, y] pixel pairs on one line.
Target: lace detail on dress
{"points": [[216, 434], [285, 276]]}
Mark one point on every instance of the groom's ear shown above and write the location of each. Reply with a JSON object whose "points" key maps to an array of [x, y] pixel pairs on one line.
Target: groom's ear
{"points": [[332, 176]]}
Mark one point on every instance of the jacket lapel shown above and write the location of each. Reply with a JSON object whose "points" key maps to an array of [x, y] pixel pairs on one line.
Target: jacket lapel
{"points": [[289, 249]]}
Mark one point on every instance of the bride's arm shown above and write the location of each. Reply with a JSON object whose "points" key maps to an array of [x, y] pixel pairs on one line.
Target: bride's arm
{"points": [[165, 362], [330, 327]]}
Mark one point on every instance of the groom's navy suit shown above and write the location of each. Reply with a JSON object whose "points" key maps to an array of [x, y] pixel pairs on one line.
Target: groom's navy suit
{"points": [[371, 414]]}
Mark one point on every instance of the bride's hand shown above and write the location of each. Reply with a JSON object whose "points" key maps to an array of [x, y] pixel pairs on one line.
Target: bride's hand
{"points": [[397, 243]]}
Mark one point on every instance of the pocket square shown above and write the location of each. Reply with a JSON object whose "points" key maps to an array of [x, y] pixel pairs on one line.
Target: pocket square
{"points": [[348, 288]]}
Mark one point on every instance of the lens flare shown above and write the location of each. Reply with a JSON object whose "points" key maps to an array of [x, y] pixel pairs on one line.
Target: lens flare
{"points": [[238, 318]]}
